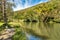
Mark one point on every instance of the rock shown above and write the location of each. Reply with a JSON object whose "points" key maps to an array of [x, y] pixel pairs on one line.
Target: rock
{"points": [[7, 34]]}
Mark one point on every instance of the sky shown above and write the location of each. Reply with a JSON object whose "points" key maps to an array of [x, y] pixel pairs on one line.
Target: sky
{"points": [[23, 4]]}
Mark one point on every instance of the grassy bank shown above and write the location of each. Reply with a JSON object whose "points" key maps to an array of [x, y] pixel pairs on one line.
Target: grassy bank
{"points": [[19, 35]]}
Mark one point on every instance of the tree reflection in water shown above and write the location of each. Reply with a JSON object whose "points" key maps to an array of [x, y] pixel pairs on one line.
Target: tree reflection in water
{"points": [[44, 31]]}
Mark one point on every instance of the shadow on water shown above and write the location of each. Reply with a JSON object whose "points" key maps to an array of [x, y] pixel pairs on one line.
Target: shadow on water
{"points": [[42, 31]]}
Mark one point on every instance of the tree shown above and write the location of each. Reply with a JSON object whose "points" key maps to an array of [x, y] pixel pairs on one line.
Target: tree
{"points": [[4, 7], [4, 11]]}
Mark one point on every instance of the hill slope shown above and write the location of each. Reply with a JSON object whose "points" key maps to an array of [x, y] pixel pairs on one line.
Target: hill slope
{"points": [[41, 12]]}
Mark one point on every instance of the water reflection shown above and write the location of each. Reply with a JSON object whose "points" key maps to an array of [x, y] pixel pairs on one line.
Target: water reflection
{"points": [[42, 31], [32, 37]]}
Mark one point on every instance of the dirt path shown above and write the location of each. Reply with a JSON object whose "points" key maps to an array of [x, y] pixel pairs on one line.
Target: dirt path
{"points": [[7, 34]]}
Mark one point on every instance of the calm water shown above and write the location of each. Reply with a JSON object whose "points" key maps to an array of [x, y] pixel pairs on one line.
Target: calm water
{"points": [[41, 31]]}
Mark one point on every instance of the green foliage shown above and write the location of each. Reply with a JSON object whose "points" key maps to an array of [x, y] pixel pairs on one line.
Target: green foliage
{"points": [[40, 11], [7, 10], [19, 35]]}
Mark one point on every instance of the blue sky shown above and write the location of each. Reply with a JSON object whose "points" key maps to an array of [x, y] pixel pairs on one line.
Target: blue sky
{"points": [[32, 37], [22, 4]]}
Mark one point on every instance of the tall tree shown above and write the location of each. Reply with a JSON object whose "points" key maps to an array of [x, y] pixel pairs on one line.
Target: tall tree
{"points": [[5, 5], [4, 11]]}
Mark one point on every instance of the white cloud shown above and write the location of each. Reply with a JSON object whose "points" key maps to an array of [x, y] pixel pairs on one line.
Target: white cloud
{"points": [[27, 4], [20, 6]]}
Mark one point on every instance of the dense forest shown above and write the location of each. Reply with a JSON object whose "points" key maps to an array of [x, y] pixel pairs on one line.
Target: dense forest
{"points": [[42, 12], [48, 11]]}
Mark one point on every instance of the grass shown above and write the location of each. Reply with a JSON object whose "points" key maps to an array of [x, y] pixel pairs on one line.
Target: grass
{"points": [[19, 35], [1, 23], [1, 28], [10, 24]]}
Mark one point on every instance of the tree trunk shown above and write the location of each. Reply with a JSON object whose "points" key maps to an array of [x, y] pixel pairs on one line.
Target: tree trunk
{"points": [[4, 11]]}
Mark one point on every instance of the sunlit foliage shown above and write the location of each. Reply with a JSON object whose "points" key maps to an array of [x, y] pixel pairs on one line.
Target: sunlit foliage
{"points": [[41, 11]]}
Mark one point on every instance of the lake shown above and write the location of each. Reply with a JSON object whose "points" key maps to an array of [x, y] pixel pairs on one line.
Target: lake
{"points": [[41, 31]]}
